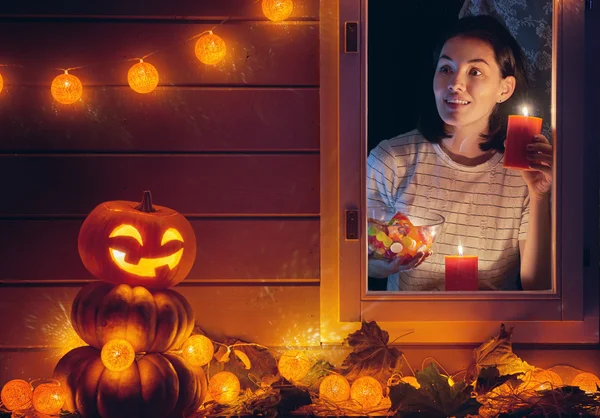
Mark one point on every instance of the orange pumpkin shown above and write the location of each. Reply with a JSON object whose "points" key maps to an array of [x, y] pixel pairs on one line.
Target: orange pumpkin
{"points": [[152, 321], [154, 386], [137, 244]]}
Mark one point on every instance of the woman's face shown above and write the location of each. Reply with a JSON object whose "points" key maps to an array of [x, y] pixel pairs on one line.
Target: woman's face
{"points": [[468, 83]]}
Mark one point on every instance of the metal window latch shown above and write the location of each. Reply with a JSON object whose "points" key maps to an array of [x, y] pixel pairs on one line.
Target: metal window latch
{"points": [[351, 224], [351, 37]]}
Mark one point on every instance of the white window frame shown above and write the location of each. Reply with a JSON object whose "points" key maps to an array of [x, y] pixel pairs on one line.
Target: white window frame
{"points": [[566, 314]]}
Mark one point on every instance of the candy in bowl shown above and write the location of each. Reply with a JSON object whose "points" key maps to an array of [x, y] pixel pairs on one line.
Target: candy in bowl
{"points": [[401, 232]]}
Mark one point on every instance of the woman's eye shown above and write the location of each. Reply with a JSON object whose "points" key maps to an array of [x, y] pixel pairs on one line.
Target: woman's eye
{"points": [[444, 69], [476, 72]]}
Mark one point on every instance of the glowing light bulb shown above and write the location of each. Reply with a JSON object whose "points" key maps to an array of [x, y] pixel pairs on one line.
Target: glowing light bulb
{"points": [[198, 350], [335, 388], [210, 49], [66, 88], [16, 394], [48, 398], [587, 382], [277, 10], [117, 355], [294, 365], [224, 387], [142, 77], [367, 391]]}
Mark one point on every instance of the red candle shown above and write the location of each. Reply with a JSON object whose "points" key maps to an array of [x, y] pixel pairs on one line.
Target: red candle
{"points": [[519, 134], [462, 271]]}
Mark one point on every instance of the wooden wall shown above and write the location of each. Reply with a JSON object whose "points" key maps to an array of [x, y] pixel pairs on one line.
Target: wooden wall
{"points": [[234, 147]]}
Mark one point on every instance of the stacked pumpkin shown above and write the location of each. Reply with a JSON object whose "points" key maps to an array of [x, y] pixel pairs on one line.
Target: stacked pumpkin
{"points": [[131, 319]]}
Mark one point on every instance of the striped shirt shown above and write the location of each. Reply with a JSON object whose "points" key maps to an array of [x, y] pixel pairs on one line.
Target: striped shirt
{"points": [[486, 208]]}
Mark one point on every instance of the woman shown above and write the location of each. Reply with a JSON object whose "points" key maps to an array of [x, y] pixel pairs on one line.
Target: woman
{"points": [[452, 165]]}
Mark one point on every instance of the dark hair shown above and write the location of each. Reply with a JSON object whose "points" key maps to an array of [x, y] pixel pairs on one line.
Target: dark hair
{"points": [[509, 58]]}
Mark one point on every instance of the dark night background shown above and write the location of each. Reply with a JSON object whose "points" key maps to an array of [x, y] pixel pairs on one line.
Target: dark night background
{"points": [[401, 39], [402, 36]]}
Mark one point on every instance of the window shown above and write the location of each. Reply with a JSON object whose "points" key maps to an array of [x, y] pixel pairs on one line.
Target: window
{"points": [[568, 313]]}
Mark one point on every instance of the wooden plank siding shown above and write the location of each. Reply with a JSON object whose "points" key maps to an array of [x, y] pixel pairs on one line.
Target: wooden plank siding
{"points": [[234, 147], [193, 184], [205, 9], [259, 53], [192, 119], [264, 314], [228, 248]]}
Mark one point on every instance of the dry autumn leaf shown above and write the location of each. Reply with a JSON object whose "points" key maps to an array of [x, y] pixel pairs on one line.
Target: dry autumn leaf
{"points": [[252, 363], [243, 358], [370, 355], [435, 397], [222, 354], [497, 352]]}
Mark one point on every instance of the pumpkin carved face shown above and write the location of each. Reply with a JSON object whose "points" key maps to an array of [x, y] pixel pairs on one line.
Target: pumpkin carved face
{"points": [[137, 244]]}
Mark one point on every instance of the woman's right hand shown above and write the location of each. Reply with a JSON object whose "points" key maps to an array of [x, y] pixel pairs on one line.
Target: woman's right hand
{"points": [[381, 269]]}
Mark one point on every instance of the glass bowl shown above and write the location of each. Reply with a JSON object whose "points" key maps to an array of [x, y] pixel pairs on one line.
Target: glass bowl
{"points": [[401, 232]]}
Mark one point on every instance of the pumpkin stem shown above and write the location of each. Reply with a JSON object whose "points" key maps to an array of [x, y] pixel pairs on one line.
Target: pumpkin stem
{"points": [[146, 205]]}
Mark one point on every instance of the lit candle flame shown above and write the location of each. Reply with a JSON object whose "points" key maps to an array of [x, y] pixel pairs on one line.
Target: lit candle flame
{"points": [[460, 251], [525, 112]]}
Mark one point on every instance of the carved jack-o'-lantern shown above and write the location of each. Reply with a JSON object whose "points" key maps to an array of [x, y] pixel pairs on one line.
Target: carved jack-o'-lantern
{"points": [[137, 244]]}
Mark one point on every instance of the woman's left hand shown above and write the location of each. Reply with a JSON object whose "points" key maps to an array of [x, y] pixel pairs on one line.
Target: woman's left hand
{"points": [[539, 154]]}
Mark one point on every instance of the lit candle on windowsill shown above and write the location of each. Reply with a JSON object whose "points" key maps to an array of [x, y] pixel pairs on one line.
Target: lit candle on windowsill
{"points": [[519, 134], [462, 271]]}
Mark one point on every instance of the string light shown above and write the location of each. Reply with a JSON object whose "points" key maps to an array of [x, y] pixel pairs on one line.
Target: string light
{"points": [[66, 88], [117, 355], [539, 380], [367, 391], [335, 388], [210, 49], [198, 350], [224, 387], [587, 382], [277, 10], [142, 77], [48, 398], [16, 394], [294, 365]]}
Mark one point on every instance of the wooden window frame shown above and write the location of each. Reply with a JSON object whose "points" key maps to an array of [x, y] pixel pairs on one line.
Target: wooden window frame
{"points": [[566, 314]]}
